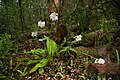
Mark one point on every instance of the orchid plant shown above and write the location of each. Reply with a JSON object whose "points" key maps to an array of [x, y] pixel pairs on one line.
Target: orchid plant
{"points": [[100, 61], [34, 34], [54, 16], [41, 24], [78, 38]]}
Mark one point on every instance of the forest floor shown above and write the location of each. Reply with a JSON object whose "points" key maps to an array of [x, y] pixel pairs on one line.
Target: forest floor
{"points": [[66, 67]]}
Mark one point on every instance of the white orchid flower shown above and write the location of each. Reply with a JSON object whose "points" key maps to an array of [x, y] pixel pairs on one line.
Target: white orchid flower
{"points": [[54, 16], [100, 61], [34, 34], [78, 38], [41, 24]]}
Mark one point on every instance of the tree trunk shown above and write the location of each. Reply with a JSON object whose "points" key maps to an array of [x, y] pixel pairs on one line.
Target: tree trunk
{"points": [[21, 15]]}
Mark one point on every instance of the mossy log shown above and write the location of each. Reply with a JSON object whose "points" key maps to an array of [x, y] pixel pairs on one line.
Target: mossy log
{"points": [[92, 39]]}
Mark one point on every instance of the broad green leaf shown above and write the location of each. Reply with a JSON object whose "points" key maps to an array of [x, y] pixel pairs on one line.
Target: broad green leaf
{"points": [[11, 62], [34, 69], [51, 46], [118, 58], [48, 44], [42, 63], [54, 47]]}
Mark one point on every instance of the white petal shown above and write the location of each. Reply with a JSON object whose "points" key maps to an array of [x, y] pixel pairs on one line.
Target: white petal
{"points": [[41, 24], [96, 61], [34, 34], [101, 61], [41, 39], [78, 38], [54, 16]]}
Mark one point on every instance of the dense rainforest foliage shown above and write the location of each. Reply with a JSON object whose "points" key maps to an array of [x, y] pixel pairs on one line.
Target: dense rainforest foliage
{"points": [[59, 40]]}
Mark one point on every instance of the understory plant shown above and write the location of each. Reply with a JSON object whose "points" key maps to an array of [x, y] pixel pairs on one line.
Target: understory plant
{"points": [[118, 58], [67, 51], [40, 61], [7, 48], [41, 57], [51, 46], [1, 67], [5, 44]]}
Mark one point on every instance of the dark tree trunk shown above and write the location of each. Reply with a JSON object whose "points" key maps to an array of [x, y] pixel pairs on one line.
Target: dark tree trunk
{"points": [[21, 15], [89, 13]]}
